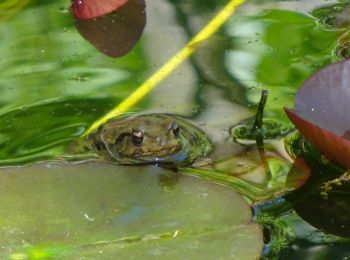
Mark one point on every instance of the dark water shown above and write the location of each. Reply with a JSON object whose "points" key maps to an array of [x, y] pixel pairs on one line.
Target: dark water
{"points": [[54, 84]]}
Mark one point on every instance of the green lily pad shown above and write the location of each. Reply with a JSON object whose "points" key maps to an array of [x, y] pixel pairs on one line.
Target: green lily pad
{"points": [[259, 177], [96, 210], [272, 129]]}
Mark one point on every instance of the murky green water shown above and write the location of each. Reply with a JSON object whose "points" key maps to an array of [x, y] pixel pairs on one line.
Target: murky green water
{"points": [[54, 84]]}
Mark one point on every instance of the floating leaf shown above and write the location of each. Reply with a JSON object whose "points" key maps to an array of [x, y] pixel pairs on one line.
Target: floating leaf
{"points": [[333, 16], [253, 177], [271, 129], [116, 33], [321, 111], [88, 9], [96, 210]]}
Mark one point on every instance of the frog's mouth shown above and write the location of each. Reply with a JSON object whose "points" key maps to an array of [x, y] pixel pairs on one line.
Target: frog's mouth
{"points": [[162, 151], [167, 154], [175, 155]]}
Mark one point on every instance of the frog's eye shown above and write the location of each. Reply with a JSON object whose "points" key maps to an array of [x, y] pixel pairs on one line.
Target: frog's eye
{"points": [[174, 127], [137, 137]]}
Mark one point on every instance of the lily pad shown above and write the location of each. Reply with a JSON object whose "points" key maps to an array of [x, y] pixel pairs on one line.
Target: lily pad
{"points": [[321, 111], [271, 129], [97, 210], [333, 16], [259, 177]]}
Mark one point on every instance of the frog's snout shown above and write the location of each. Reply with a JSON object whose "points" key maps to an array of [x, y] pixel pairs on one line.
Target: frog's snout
{"points": [[165, 142]]}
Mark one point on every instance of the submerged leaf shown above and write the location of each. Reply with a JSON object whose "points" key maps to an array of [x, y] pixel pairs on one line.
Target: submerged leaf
{"points": [[322, 109], [258, 179], [88, 9], [97, 210]]}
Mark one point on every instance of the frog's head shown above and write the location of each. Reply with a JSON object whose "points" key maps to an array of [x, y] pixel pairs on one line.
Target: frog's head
{"points": [[152, 138]]}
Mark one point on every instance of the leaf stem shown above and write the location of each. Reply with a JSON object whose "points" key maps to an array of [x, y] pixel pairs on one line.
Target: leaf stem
{"points": [[258, 131], [257, 127]]}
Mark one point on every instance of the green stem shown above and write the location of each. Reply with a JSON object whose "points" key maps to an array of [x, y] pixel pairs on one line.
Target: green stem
{"points": [[257, 127], [258, 131]]}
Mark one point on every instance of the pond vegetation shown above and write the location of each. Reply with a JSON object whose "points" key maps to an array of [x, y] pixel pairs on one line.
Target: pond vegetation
{"points": [[277, 196]]}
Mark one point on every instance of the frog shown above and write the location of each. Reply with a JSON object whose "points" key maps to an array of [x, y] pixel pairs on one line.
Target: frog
{"points": [[169, 141], [155, 138]]}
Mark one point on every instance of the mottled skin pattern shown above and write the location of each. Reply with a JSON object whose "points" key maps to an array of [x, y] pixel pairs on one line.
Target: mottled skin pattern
{"points": [[150, 138]]}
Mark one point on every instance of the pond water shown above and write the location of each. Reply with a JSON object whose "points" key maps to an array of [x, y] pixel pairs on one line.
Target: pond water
{"points": [[54, 84]]}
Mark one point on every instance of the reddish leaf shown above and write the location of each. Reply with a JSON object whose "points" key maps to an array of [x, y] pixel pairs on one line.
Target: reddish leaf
{"points": [[116, 33], [88, 9], [322, 111], [336, 148]]}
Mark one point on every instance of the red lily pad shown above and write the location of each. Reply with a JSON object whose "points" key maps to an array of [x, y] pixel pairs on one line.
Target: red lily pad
{"points": [[116, 33], [88, 9], [322, 111]]}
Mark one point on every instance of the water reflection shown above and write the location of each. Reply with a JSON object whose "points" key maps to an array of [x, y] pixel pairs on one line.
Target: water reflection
{"points": [[251, 52], [57, 124], [262, 58]]}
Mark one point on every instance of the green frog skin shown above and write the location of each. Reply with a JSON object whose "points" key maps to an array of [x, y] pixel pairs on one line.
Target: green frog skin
{"points": [[150, 139]]}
